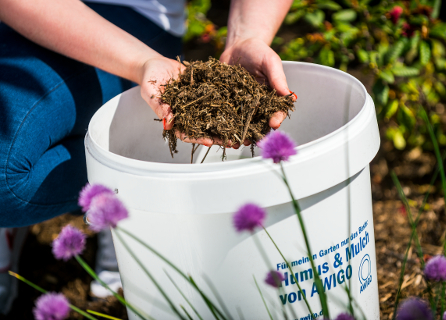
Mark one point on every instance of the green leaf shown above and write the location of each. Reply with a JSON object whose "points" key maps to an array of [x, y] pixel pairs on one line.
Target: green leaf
{"points": [[293, 17], [326, 57], [438, 30], [381, 92], [425, 53], [436, 11], [363, 56], [387, 76], [438, 50], [345, 15], [395, 52], [329, 5], [402, 71], [440, 88], [398, 140], [392, 108], [315, 18]]}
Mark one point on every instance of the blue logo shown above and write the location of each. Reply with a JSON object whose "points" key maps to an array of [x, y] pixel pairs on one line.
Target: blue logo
{"points": [[365, 272]]}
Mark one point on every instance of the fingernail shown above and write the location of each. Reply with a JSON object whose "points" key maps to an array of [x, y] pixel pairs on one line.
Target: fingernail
{"points": [[294, 95], [164, 123]]}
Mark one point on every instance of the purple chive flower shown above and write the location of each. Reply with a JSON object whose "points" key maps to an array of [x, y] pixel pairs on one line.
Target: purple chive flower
{"points": [[344, 316], [414, 309], [51, 306], [89, 192], [248, 217], [277, 145], [435, 269], [70, 242], [274, 279], [444, 316], [106, 210]]}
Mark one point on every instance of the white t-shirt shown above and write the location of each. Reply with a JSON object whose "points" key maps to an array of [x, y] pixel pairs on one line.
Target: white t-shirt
{"points": [[168, 14]]}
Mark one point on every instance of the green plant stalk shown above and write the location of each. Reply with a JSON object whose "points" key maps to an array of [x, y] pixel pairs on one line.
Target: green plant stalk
{"points": [[146, 271], [185, 311], [443, 289], [439, 159], [184, 297], [263, 299], [209, 303], [318, 281], [35, 286], [217, 296], [291, 271], [414, 235], [116, 295], [99, 314]]}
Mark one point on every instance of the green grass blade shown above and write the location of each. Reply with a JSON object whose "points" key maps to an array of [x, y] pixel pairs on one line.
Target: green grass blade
{"points": [[263, 299], [217, 296], [99, 314], [291, 271], [115, 294], [35, 286], [146, 271], [183, 295], [211, 305], [187, 313], [317, 281], [439, 158]]}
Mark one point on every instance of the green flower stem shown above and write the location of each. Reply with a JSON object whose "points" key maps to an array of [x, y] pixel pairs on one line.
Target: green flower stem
{"points": [[439, 158], [209, 303], [146, 271], [318, 281], [184, 297], [413, 236], [116, 295], [35, 286], [443, 289], [263, 299], [291, 271], [99, 314]]}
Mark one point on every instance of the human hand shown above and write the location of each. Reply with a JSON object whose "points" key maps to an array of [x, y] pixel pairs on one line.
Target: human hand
{"points": [[264, 64], [155, 74]]}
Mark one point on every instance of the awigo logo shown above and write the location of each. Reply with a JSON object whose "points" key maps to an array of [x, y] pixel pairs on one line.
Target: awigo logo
{"points": [[365, 272]]}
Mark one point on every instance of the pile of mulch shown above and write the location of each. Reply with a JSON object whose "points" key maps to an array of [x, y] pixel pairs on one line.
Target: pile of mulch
{"points": [[220, 101]]}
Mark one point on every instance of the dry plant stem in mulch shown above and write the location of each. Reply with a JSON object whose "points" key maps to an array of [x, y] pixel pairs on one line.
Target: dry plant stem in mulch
{"points": [[220, 101]]}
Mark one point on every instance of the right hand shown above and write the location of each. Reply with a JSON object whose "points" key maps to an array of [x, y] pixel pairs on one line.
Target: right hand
{"points": [[155, 73]]}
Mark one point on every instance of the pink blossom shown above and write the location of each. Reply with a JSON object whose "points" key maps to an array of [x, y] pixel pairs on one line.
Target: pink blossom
{"points": [[395, 14], [278, 146], [248, 217], [274, 279], [106, 210], [51, 306], [89, 192], [70, 242]]}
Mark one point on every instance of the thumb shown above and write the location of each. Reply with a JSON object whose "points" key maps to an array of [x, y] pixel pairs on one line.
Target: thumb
{"points": [[276, 77]]}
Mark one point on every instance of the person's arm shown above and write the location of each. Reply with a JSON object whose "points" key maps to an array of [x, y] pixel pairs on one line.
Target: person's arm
{"points": [[71, 28], [252, 25]]}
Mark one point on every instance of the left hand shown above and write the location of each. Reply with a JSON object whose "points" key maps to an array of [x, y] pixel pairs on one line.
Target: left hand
{"points": [[264, 64]]}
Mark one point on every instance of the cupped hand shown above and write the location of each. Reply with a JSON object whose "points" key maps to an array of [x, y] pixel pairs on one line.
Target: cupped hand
{"points": [[156, 72], [264, 64]]}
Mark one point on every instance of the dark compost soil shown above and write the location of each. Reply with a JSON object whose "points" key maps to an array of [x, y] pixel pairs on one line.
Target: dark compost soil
{"points": [[215, 100]]}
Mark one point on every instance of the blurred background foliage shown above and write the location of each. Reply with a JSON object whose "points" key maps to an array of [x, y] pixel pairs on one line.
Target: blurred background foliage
{"points": [[398, 45]]}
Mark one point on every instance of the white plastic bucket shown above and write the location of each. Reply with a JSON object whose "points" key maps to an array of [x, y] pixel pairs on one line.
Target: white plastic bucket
{"points": [[185, 211]]}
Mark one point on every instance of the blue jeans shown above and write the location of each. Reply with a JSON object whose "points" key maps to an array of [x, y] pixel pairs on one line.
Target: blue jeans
{"points": [[46, 102]]}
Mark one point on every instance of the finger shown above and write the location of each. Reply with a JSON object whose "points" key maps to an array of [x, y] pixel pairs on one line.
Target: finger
{"points": [[236, 146], [247, 142], [273, 69], [204, 141], [277, 119]]}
